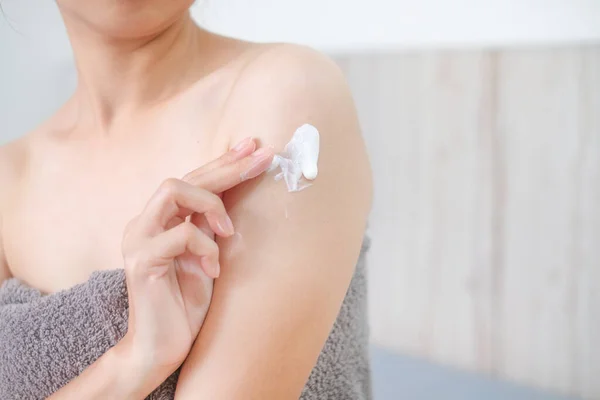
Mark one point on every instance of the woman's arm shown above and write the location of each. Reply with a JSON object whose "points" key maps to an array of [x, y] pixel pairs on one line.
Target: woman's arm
{"points": [[77, 327], [112, 376], [164, 288], [286, 271]]}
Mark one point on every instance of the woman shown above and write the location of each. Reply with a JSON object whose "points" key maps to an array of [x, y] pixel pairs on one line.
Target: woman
{"points": [[159, 97]]}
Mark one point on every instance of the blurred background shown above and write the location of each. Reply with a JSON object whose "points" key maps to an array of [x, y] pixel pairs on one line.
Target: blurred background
{"points": [[482, 119]]}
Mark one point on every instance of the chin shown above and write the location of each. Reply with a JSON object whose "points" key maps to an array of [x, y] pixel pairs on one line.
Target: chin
{"points": [[126, 18]]}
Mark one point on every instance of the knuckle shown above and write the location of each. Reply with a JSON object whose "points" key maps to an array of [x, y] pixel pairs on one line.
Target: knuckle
{"points": [[213, 202], [169, 186], [188, 230]]}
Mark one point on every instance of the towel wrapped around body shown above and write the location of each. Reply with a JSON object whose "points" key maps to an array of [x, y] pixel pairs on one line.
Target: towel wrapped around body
{"points": [[48, 340]]}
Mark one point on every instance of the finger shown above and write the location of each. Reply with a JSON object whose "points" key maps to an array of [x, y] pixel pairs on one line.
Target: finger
{"points": [[187, 237], [201, 222], [176, 221], [196, 289], [224, 178], [178, 199], [238, 152]]}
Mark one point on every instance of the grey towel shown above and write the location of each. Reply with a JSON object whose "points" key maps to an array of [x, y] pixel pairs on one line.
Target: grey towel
{"points": [[46, 341]]}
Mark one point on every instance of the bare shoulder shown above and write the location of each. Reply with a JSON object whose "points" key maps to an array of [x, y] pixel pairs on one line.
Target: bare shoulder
{"points": [[284, 86], [294, 66], [288, 82]]}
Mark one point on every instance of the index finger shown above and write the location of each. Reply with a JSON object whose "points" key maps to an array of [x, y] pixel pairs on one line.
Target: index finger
{"points": [[238, 152], [230, 175]]}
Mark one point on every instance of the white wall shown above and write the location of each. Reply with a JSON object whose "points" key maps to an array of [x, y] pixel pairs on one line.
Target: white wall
{"points": [[37, 74], [349, 25], [485, 224], [36, 68]]}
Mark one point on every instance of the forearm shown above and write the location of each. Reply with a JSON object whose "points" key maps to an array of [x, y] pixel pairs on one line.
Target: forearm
{"points": [[114, 375], [76, 341], [48, 341]]}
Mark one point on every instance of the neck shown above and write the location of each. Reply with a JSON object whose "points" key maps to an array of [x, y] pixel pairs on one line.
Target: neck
{"points": [[120, 77]]}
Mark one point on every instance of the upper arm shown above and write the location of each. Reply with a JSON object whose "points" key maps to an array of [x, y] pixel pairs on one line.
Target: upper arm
{"points": [[286, 271]]}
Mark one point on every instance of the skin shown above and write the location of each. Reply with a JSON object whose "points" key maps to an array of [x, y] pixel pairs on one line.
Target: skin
{"points": [[158, 98]]}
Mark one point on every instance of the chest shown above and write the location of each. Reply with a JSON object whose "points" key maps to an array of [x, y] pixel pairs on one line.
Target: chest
{"points": [[67, 219]]}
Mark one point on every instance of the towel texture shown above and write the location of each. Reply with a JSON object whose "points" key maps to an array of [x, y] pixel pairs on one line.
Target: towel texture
{"points": [[46, 341]]}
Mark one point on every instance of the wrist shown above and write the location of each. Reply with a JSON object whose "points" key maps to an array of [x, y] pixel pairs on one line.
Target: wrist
{"points": [[138, 376], [133, 377]]}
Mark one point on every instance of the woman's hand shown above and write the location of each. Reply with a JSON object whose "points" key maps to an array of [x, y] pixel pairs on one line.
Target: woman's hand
{"points": [[171, 260]]}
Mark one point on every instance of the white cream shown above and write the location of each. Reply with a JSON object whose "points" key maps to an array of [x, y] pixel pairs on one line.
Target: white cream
{"points": [[299, 159]]}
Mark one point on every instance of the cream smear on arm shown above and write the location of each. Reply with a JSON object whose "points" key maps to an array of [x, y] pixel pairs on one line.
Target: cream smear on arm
{"points": [[298, 161]]}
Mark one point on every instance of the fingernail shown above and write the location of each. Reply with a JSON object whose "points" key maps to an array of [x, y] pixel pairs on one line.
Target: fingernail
{"points": [[225, 225], [258, 165], [242, 145]]}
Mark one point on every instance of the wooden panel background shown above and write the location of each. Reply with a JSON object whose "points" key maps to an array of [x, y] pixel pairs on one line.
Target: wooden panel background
{"points": [[486, 222]]}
